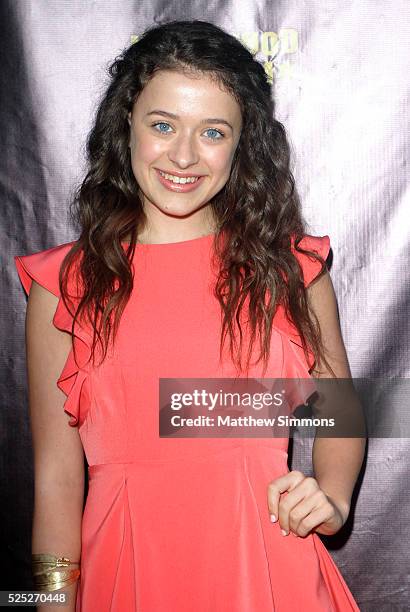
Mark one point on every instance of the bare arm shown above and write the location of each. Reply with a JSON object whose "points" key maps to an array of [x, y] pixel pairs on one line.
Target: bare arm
{"points": [[58, 451], [336, 461]]}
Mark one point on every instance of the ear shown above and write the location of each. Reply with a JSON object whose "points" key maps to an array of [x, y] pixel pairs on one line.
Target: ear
{"points": [[129, 118]]}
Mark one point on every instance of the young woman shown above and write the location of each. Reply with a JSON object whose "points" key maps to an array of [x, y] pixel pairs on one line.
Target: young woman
{"points": [[192, 262]]}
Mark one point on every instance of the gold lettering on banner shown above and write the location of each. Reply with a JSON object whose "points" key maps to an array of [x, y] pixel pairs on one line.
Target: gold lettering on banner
{"points": [[272, 46], [250, 40]]}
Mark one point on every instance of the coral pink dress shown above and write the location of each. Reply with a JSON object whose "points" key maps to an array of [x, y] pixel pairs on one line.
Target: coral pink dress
{"points": [[181, 524]]}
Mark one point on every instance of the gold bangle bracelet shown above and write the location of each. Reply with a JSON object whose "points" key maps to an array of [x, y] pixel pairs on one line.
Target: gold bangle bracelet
{"points": [[50, 572]]}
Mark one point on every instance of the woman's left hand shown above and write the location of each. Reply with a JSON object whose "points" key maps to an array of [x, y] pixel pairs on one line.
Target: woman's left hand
{"points": [[304, 507]]}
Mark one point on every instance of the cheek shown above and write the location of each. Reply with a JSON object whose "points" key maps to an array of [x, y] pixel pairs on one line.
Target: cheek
{"points": [[145, 149], [220, 160]]}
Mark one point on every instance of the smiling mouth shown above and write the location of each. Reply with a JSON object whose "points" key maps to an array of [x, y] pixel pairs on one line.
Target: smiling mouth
{"points": [[180, 180]]}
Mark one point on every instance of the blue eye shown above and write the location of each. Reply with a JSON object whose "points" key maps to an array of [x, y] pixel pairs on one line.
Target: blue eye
{"points": [[159, 125], [215, 134]]}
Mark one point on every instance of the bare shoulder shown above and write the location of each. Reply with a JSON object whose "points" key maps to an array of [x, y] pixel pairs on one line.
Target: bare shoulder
{"points": [[323, 302], [321, 294], [40, 330]]}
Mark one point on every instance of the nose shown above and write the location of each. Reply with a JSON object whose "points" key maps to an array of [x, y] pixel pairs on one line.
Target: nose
{"points": [[183, 151]]}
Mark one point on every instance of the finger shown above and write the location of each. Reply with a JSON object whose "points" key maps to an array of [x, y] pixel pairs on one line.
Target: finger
{"points": [[314, 519], [279, 486], [308, 504], [302, 491]]}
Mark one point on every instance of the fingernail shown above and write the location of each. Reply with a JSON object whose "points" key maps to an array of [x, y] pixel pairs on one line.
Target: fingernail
{"points": [[284, 533], [273, 518]]}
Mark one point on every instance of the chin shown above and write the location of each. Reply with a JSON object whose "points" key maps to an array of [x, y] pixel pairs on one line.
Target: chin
{"points": [[180, 208], [177, 211]]}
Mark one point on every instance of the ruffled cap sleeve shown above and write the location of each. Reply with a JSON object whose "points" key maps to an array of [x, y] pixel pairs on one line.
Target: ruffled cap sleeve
{"points": [[311, 267], [295, 364], [44, 267]]}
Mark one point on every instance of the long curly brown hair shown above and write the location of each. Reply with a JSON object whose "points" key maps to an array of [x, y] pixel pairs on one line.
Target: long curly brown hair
{"points": [[258, 208]]}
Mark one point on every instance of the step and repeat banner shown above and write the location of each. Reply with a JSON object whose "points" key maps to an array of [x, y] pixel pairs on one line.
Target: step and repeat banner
{"points": [[340, 81]]}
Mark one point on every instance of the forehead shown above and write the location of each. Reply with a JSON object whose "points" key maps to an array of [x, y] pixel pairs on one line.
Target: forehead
{"points": [[186, 96]]}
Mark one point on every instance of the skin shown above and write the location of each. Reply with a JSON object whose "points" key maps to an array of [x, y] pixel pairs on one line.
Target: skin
{"points": [[185, 144]]}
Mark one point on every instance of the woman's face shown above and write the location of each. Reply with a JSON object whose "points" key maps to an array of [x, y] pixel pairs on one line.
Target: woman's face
{"points": [[183, 134]]}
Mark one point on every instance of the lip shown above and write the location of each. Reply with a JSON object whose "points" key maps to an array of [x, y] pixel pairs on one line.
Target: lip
{"points": [[178, 187], [180, 174]]}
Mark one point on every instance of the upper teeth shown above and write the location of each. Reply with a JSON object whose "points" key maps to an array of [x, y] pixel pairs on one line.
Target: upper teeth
{"points": [[179, 179]]}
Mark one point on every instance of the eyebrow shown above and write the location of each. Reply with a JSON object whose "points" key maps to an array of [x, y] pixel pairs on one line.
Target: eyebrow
{"points": [[173, 116]]}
